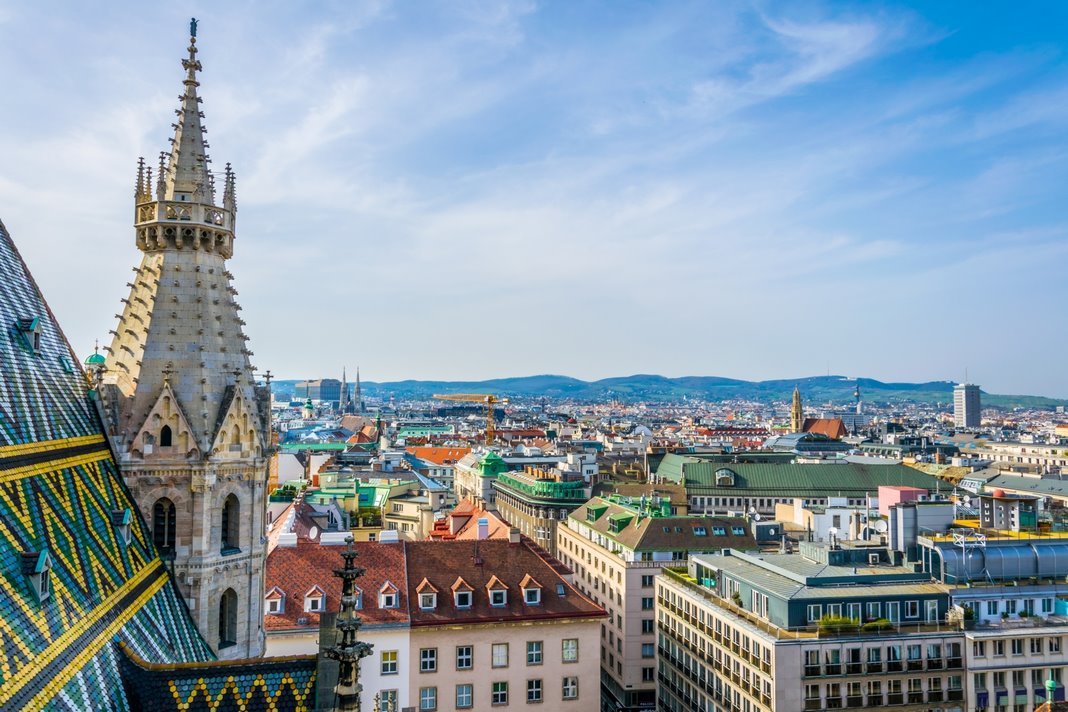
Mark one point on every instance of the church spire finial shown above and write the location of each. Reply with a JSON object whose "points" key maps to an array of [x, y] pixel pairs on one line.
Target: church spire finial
{"points": [[187, 169]]}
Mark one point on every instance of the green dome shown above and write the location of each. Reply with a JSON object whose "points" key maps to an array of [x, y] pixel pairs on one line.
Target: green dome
{"points": [[95, 359]]}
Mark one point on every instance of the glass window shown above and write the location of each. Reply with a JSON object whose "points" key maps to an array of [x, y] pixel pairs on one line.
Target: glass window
{"points": [[570, 650], [500, 655], [532, 596], [428, 698], [648, 625], [498, 598], [465, 696], [389, 662], [815, 611], [428, 601], [647, 603], [463, 599], [534, 652], [570, 688], [500, 693], [428, 660], [464, 657], [648, 650], [534, 690], [912, 609]]}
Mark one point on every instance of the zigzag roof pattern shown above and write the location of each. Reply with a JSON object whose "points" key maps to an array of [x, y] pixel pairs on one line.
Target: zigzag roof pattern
{"points": [[107, 595]]}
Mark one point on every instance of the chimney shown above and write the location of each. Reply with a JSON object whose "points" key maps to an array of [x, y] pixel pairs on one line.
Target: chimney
{"points": [[513, 536], [483, 528]]}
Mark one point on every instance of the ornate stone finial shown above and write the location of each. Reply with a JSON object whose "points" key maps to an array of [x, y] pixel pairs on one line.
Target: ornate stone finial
{"points": [[348, 650]]}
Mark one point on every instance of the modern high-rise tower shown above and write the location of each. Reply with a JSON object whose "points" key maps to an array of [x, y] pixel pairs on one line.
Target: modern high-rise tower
{"points": [[182, 408], [966, 406]]}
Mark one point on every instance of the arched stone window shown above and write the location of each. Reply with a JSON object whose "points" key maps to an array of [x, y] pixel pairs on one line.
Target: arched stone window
{"points": [[231, 525], [165, 436], [163, 524], [228, 619]]}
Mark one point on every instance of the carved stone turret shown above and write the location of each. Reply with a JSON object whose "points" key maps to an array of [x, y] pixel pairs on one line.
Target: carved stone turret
{"points": [[178, 393]]}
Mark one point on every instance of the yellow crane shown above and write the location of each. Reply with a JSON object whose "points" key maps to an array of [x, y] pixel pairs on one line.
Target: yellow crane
{"points": [[489, 400]]}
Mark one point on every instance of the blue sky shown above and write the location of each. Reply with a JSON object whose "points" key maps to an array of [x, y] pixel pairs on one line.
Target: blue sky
{"points": [[472, 189]]}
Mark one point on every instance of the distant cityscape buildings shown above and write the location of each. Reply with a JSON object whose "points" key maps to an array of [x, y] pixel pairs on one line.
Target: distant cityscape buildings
{"points": [[178, 532]]}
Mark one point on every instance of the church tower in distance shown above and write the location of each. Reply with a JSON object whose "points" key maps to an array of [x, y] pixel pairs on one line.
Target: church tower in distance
{"points": [[797, 414], [183, 411]]}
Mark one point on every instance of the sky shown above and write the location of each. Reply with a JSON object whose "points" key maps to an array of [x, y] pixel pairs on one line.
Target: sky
{"points": [[473, 189]]}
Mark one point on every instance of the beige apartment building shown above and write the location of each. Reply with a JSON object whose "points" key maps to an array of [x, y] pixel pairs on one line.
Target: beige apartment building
{"points": [[617, 546]]}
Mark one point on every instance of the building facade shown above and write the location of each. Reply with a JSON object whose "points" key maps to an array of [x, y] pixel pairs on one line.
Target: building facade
{"points": [[966, 406], [827, 629], [180, 401], [617, 546]]}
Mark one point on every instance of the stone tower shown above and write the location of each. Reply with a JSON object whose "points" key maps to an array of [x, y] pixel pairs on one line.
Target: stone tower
{"points": [[183, 411], [797, 415]]}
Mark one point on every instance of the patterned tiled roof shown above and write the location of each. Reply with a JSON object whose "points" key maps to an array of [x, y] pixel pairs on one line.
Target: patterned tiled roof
{"points": [[61, 495]]}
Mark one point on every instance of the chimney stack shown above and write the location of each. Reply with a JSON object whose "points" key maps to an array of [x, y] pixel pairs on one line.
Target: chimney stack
{"points": [[483, 528], [513, 536]]}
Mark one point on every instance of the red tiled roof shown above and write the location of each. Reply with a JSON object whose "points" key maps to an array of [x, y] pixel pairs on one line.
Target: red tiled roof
{"points": [[443, 563], [296, 570], [439, 455], [833, 428]]}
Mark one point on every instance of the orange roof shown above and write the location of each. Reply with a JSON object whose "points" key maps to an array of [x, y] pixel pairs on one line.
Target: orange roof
{"points": [[833, 428], [439, 455]]}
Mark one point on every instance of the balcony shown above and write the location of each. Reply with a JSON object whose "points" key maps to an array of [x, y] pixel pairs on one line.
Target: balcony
{"points": [[834, 703], [895, 698], [854, 701], [915, 665], [915, 697], [812, 671], [934, 663], [813, 704], [934, 696], [875, 667], [895, 666], [832, 669], [854, 668], [954, 695], [954, 663]]}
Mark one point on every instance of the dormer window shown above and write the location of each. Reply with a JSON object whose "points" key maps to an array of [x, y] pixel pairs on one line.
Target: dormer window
{"points": [[358, 595], [498, 592], [461, 593], [388, 596], [314, 600], [29, 331], [37, 567], [275, 601], [531, 591], [121, 519], [561, 590], [428, 595]]}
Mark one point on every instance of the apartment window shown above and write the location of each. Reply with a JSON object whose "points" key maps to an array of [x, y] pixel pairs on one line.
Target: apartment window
{"points": [[533, 690], [570, 650], [979, 648], [390, 699], [812, 692], [389, 662], [534, 652], [648, 625], [500, 693], [815, 612], [647, 581], [1047, 605], [992, 608], [532, 596], [428, 660], [1011, 605], [428, 698], [648, 674], [979, 680], [999, 648], [1054, 645], [428, 601], [1036, 646], [648, 650], [1017, 646], [465, 696], [570, 688], [465, 657], [498, 598], [500, 655], [873, 610], [647, 604], [389, 600], [912, 609], [462, 599]]}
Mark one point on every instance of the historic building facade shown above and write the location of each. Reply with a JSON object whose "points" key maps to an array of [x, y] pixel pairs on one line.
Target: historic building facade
{"points": [[180, 402]]}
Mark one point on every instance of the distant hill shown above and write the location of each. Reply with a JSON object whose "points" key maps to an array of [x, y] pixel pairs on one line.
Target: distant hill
{"points": [[645, 387]]}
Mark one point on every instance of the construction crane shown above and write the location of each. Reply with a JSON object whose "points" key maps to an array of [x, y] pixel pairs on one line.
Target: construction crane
{"points": [[489, 400]]}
